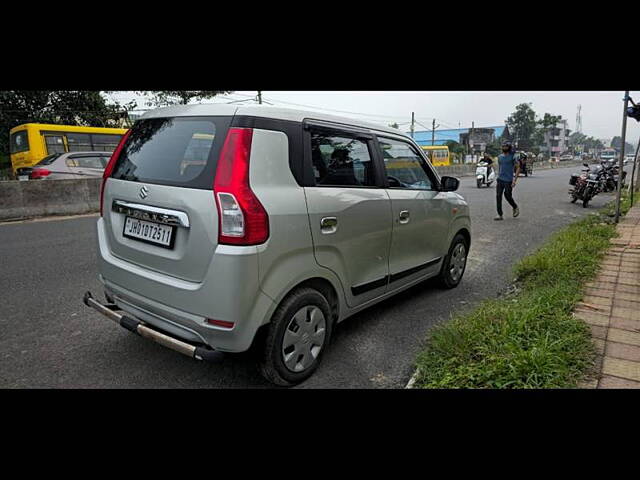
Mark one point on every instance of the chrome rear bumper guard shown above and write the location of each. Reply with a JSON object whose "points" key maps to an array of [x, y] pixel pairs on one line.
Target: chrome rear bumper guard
{"points": [[136, 326]]}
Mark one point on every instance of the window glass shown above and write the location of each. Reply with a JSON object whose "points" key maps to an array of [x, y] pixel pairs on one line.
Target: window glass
{"points": [[88, 162], [79, 142], [105, 142], [55, 144], [341, 160], [404, 166], [171, 151], [19, 142], [49, 159]]}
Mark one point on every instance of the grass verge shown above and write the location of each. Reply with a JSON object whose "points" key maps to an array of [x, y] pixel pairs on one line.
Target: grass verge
{"points": [[528, 339]]}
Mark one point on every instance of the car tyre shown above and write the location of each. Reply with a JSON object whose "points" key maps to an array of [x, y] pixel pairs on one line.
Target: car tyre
{"points": [[454, 263], [296, 338]]}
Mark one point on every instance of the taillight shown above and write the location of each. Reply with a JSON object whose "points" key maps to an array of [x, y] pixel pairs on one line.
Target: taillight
{"points": [[242, 220], [39, 173], [108, 170], [220, 323]]}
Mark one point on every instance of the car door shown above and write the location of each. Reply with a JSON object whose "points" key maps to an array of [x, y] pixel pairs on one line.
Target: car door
{"points": [[349, 210], [419, 211]]}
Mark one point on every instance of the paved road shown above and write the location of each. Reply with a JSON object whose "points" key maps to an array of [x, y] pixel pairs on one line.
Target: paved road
{"points": [[48, 338]]}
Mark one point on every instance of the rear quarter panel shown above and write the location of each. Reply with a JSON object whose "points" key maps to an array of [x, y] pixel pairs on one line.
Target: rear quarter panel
{"points": [[287, 258]]}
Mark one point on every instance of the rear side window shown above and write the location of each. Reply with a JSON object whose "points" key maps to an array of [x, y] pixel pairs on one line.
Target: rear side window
{"points": [[19, 142], [341, 161], [86, 162], [179, 151]]}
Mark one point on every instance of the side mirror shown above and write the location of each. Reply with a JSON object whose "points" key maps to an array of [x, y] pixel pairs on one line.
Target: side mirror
{"points": [[449, 184]]}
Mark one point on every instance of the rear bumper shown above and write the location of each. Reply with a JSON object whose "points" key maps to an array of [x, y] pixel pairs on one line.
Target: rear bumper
{"points": [[136, 326], [229, 292]]}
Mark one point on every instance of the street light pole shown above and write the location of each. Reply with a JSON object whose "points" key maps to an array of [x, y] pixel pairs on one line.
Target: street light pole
{"points": [[413, 121], [621, 160]]}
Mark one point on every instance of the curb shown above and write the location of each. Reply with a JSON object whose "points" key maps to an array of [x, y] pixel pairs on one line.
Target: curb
{"points": [[412, 380]]}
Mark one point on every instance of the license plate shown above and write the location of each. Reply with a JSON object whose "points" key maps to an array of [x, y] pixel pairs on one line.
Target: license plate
{"points": [[149, 232]]}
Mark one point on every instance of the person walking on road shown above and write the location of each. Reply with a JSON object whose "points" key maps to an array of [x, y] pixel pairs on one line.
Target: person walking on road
{"points": [[507, 163]]}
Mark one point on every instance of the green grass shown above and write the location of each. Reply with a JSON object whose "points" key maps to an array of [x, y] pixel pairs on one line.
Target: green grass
{"points": [[528, 339]]}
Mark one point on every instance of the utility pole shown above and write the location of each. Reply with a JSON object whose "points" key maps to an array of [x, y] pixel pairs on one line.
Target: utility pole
{"points": [[620, 162], [433, 132], [260, 97], [473, 126], [413, 122]]}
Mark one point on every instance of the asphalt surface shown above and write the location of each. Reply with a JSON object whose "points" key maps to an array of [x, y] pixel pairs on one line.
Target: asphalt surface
{"points": [[50, 339]]}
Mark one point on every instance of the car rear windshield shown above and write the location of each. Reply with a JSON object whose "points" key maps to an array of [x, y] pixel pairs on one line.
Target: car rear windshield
{"points": [[177, 151], [49, 159]]}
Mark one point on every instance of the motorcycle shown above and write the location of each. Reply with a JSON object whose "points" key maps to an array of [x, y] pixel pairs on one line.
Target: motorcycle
{"points": [[613, 175], [587, 184], [481, 175]]}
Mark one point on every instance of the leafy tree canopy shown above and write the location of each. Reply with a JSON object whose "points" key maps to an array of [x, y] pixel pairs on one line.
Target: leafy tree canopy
{"points": [[162, 98], [66, 107], [522, 125]]}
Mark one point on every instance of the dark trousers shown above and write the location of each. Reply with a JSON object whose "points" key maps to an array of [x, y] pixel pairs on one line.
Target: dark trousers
{"points": [[504, 187]]}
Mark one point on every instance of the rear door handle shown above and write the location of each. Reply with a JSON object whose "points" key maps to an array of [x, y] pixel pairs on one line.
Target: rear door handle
{"points": [[404, 216], [328, 225]]}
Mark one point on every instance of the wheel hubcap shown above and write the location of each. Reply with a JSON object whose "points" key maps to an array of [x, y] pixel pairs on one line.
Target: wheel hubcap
{"points": [[303, 338], [458, 262]]}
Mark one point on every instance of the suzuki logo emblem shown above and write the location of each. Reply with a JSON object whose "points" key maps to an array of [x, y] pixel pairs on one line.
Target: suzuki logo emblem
{"points": [[144, 192]]}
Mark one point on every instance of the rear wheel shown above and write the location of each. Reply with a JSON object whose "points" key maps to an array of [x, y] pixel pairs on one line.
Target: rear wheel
{"points": [[586, 198], [454, 263], [296, 337]]}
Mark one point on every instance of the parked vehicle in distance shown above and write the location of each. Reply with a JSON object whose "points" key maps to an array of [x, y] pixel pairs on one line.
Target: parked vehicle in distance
{"points": [[564, 158], [31, 142], [608, 154], [226, 226], [68, 165], [438, 154]]}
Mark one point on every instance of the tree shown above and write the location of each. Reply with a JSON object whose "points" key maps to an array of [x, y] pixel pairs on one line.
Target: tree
{"points": [[522, 125], [162, 98], [66, 107], [394, 125], [616, 143]]}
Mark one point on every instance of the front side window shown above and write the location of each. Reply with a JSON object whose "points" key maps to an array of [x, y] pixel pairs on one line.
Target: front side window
{"points": [[19, 142], [404, 166], [341, 160]]}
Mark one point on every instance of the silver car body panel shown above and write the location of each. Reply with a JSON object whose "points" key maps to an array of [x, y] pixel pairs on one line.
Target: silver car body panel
{"points": [[177, 290]]}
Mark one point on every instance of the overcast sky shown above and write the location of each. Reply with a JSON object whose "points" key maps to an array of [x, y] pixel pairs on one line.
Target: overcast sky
{"points": [[601, 110]]}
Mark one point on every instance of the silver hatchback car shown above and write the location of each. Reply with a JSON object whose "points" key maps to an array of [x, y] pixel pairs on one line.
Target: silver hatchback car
{"points": [[224, 227]]}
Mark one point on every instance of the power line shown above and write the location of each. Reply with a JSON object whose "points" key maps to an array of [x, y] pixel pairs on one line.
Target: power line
{"points": [[394, 117]]}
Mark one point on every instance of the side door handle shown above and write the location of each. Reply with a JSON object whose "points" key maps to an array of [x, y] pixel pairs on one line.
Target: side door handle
{"points": [[328, 225], [404, 216]]}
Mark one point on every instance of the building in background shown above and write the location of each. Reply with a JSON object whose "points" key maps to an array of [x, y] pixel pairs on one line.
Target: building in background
{"points": [[556, 140], [474, 139]]}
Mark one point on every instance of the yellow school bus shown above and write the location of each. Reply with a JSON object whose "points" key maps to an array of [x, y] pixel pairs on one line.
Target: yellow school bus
{"points": [[31, 142], [439, 155]]}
